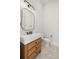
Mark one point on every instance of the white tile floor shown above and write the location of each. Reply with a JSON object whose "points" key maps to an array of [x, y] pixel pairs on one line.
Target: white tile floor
{"points": [[49, 53]]}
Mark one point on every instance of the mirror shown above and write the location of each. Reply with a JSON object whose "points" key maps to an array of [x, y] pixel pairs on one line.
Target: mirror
{"points": [[27, 20]]}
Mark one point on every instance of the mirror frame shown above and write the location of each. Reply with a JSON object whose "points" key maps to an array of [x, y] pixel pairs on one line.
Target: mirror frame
{"points": [[21, 20]]}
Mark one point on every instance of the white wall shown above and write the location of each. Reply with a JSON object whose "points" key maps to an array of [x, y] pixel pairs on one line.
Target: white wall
{"points": [[51, 21]]}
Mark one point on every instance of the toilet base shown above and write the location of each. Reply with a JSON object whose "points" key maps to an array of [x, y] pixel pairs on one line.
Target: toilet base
{"points": [[46, 42]]}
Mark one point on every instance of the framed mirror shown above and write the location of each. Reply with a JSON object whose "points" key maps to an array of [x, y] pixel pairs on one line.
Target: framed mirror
{"points": [[27, 19]]}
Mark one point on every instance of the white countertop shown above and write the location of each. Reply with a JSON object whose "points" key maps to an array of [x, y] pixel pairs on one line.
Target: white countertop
{"points": [[25, 39]]}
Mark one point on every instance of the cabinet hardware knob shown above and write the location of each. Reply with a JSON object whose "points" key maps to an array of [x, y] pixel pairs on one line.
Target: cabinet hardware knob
{"points": [[36, 42], [36, 47]]}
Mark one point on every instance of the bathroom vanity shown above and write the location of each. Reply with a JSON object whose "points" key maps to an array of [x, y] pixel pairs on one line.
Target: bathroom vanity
{"points": [[31, 49]]}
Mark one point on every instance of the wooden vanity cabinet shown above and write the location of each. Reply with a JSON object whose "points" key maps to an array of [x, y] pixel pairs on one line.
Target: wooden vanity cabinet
{"points": [[30, 50]]}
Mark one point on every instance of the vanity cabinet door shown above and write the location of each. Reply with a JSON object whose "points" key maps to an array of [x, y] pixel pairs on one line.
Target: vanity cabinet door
{"points": [[38, 50], [31, 45], [32, 56], [31, 51], [38, 41]]}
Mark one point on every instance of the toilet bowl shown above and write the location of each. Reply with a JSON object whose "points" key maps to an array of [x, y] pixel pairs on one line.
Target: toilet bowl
{"points": [[46, 42]]}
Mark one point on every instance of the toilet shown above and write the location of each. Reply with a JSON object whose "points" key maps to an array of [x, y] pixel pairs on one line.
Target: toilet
{"points": [[47, 42]]}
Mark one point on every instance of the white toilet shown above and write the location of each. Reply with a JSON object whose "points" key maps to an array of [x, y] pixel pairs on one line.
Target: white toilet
{"points": [[47, 42]]}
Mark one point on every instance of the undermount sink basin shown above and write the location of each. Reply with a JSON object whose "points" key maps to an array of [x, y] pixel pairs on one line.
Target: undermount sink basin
{"points": [[25, 39]]}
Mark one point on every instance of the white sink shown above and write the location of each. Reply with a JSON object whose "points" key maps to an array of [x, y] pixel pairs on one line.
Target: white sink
{"points": [[25, 39]]}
